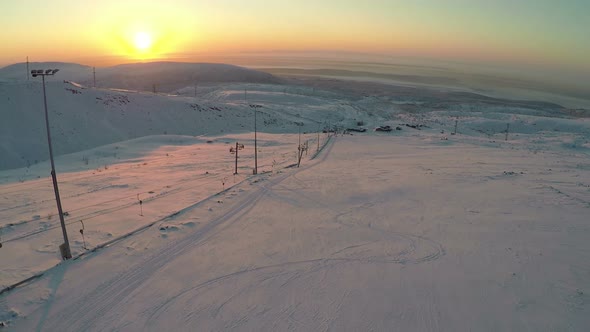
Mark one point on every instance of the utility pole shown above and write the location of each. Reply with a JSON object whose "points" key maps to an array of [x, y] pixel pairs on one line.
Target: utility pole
{"points": [[300, 148], [318, 150], [255, 142], [140, 205], [456, 122], [235, 150], [255, 107], [65, 247], [507, 128], [154, 86], [94, 75], [27, 68]]}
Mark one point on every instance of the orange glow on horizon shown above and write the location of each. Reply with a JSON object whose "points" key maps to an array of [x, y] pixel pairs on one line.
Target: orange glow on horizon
{"points": [[134, 30]]}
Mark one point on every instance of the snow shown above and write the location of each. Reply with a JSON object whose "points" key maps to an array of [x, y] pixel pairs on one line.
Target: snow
{"points": [[167, 173], [85, 118], [378, 233], [416, 229]]}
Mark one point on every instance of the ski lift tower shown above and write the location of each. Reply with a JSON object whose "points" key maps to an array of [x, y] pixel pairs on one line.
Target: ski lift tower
{"points": [[234, 150]]}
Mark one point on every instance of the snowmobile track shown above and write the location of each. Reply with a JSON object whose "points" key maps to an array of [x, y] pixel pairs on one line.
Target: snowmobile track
{"points": [[89, 310]]}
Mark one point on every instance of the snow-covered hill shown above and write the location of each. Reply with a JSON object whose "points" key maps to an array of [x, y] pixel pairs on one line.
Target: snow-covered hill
{"points": [[82, 118], [473, 207]]}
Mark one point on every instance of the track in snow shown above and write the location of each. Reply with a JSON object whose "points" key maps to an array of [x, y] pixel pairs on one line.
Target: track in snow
{"points": [[89, 310], [93, 310]]}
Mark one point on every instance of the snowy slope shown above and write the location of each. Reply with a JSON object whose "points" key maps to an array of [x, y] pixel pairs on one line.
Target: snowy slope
{"points": [[101, 189], [82, 118], [380, 233], [416, 229], [85, 118]]}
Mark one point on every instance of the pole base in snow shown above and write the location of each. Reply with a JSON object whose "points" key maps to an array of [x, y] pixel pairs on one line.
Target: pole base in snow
{"points": [[65, 253]]}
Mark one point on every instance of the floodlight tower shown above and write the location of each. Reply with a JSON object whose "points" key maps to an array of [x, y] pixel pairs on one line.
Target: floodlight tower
{"points": [[65, 247]]}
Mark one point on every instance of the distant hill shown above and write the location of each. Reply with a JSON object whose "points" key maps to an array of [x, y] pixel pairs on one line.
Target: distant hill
{"points": [[170, 76], [83, 118], [166, 76], [67, 71]]}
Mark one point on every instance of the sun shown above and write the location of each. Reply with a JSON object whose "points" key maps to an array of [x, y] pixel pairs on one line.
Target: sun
{"points": [[142, 41]]}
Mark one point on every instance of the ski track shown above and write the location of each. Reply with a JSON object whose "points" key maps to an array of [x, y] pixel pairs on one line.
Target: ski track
{"points": [[89, 312], [97, 213], [568, 196], [84, 313]]}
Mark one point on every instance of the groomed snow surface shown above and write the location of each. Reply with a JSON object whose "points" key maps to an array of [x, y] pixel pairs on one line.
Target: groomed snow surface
{"points": [[413, 230]]}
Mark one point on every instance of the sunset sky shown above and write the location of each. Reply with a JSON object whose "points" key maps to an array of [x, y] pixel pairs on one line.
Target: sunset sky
{"points": [[543, 33]]}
